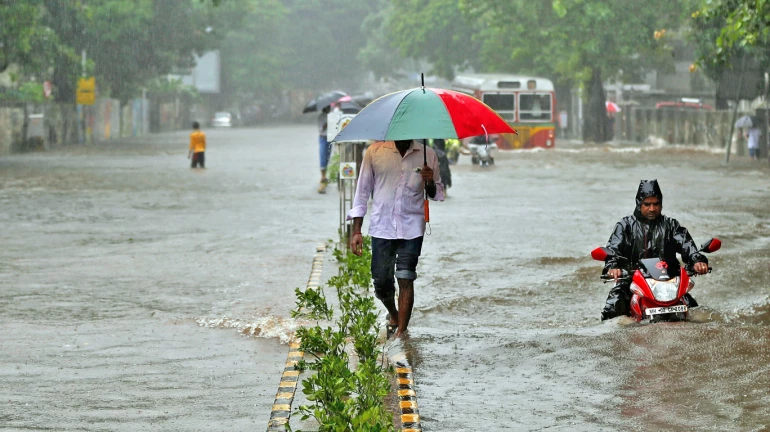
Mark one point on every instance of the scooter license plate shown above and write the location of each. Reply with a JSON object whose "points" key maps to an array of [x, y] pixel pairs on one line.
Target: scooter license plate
{"points": [[665, 310]]}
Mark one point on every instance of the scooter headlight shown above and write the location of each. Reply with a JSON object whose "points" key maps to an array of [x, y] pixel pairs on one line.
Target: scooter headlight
{"points": [[665, 291]]}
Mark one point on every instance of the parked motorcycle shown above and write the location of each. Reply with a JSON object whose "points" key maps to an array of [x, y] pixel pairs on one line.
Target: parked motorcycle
{"points": [[656, 294]]}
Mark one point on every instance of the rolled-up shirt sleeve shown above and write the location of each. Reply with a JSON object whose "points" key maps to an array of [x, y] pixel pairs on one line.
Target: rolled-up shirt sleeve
{"points": [[364, 188]]}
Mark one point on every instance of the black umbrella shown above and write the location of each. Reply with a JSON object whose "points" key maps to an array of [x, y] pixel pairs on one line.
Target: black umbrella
{"points": [[323, 101]]}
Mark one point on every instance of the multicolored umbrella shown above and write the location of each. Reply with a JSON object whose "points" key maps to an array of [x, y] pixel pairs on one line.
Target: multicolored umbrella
{"points": [[423, 113]]}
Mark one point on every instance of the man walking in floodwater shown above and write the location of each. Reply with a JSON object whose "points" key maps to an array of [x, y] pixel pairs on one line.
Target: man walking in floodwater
{"points": [[647, 234], [197, 147], [395, 176]]}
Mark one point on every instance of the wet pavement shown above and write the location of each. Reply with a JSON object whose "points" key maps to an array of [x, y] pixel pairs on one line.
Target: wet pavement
{"points": [[123, 271]]}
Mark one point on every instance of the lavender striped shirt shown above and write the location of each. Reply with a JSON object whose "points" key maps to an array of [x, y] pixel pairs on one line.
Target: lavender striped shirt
{"points": [[396, 188]]}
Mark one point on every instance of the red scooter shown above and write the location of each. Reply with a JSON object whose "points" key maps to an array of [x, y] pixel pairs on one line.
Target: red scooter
{"points": [[656, 295]]}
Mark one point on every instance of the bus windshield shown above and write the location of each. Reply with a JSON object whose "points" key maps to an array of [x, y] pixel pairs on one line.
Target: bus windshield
{"points": [[534, 107], [503, 103]]}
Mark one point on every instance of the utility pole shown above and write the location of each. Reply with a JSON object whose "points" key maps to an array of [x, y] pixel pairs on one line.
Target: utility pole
{"points": [[766, 130], [735, 110]]}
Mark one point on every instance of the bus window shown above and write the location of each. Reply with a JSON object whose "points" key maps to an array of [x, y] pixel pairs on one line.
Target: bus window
{"points": [[503, 103], [535, 107]]}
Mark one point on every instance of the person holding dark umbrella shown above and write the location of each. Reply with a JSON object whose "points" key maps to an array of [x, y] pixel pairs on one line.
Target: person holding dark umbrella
{"points": [[323, 104]]}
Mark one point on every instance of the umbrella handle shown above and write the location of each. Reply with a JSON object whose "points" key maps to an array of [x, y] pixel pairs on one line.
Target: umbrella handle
{"points": [[426, 207]]}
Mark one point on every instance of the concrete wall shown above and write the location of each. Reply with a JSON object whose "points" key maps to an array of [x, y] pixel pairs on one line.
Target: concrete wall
{"points": [[11, 123], [678, 126], [55, 125]]}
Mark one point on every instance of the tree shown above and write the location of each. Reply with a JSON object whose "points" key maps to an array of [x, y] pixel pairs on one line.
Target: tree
{"points": [[325, 37], [131, 42], [436, 31], [582, 42], [252, 53], [727, 31], [20, 31], [379, 55]]}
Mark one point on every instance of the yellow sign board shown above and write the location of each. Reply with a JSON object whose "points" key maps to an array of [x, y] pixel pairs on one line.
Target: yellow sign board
{"points": [[86, 93]]}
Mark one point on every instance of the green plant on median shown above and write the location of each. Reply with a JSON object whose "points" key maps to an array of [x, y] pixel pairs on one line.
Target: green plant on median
{"points": [[347, 391], [333, 168]]}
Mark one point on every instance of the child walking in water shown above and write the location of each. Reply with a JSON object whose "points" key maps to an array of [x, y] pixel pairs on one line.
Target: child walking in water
{"points": [[197, 147]]}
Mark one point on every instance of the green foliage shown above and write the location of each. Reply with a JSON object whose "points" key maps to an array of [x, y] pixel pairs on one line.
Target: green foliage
{"points": [[724, 30], [127, 42], [167, 90], [353, 268], [27, 92], [312, 303], [744, 22], [345, 394], [249, 72], [333, 169], [436, 31], [23, 37], [380, 55], [322, 42], [571, 41]]}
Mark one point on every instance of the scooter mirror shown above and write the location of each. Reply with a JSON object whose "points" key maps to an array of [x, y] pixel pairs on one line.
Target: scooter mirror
{"points": [[601, 254], [712, 245]]}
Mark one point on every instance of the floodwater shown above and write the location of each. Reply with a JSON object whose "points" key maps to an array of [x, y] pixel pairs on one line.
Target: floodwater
{"points": [[128, 282], [127, 279], [507, 333]]}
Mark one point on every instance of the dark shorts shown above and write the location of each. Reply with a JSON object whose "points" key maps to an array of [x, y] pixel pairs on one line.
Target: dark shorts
{"points": [[198, 159], [754, 152], [393, 258]]}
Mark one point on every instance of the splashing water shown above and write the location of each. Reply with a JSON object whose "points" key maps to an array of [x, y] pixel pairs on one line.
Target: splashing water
{"points": [[266, 327]]}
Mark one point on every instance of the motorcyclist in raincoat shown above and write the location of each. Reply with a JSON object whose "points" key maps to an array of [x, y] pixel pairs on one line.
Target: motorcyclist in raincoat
{"points": [[647, 234]]}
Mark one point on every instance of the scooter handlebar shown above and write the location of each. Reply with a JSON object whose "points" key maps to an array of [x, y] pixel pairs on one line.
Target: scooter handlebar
{"points": [[624, 276], [691, 272]]}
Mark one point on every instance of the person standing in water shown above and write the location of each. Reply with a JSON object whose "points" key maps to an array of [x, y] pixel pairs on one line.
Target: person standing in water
{"points": [[197, 147]]}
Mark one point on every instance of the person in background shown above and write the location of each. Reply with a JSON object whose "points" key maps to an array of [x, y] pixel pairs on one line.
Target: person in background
{"points": [[439, 146], [197, 147], [453, 146], [324, 148], [753, 135]]}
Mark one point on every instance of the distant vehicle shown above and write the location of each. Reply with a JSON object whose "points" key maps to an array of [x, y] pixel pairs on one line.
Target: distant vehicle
{"points": [[686, 103], [527, 103], [222, 119]]}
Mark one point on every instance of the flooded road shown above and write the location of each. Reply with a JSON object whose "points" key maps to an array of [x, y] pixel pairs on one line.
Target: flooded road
{"points": [[119, 265], [507, 333], [112, 257]]}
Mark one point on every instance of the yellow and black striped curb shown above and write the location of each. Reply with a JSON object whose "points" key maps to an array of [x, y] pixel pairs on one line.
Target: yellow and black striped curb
{"points": [[407, 398], [279, 416]]}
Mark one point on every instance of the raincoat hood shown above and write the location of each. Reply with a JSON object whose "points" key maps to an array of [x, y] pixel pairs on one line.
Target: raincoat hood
{"points": [[648, 188]]}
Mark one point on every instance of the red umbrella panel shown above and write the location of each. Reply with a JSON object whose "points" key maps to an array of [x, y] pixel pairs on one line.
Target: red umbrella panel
{"points": [[423, 113]]}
